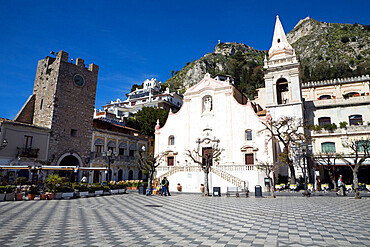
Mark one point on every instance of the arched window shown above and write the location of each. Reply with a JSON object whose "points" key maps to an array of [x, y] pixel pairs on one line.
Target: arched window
{"points": [[120, 175], [131, 175], [171, 140], [140, 175], [324, 120], [99, 143], [324, 97], [282, 90], [328, 147], [248, 135], [355, 120], [121, 148], [111, 145], [132, 150]]}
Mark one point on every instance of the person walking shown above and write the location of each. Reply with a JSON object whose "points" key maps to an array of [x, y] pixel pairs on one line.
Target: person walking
{"points": [[342, 190], [164, 187], [167, 186]]}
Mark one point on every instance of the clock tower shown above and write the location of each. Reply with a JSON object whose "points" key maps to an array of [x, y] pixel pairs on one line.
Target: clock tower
{"points": [[63, 100]]}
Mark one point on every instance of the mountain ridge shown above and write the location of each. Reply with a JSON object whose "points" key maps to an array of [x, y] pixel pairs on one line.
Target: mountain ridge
{"points": [[325, 50]]}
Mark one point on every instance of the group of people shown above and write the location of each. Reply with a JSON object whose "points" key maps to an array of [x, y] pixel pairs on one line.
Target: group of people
{"points": [[164, 187]]}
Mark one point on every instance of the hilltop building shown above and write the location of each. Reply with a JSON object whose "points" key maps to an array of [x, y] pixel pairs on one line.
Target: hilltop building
{"points": [[149, 95], [214, 110]]}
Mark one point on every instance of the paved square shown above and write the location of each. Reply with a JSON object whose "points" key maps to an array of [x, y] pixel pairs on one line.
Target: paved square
{"points": [[186, 220]]}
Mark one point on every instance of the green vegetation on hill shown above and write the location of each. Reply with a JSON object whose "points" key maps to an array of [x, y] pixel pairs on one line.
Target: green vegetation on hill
{"points": [[325, 50]]}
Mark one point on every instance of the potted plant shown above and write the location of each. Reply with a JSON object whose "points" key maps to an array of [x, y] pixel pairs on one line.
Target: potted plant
{"points": [[43, 196], [10, 193], [32, 191], [98, 190], [68, 191], [51, 184], [202, 188], [19, 194], [81, 189], [122, 187], [2, 193], [113, 187]]}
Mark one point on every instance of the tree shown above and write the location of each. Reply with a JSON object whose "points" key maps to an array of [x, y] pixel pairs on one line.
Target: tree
{"points": [[288, 131], [149, 163], [146, 119], [207, 150], [327, 160], [135, 86], [268, 168], [359, 152]]}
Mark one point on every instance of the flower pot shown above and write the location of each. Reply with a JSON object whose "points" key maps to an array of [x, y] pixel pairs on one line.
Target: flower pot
{"points": [[113, 192], [179, 187], [43, 196], [2, 197], [84, 193], [31, 196], [50, 196], [67, 195], [10, 196], [202, 188], [58, 195], [19, 196], [99, 192]]}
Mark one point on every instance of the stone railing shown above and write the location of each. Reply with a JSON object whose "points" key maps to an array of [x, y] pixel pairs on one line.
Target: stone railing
{"points": [[237, 168], [350, 130], [228, 177], [336, 81], [221, 171]]}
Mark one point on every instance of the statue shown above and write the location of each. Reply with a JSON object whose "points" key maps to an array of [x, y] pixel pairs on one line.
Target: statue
{"points": [[207, 104]]}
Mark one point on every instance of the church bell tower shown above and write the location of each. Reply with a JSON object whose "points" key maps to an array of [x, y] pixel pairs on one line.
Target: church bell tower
{"points": [[282, 78]]}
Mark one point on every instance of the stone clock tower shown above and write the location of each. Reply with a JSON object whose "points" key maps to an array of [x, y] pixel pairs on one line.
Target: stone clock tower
{"points": [[63, 100]]}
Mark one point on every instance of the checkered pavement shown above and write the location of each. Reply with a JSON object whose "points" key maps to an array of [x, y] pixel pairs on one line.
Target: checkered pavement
{"points": [[186, 220]]}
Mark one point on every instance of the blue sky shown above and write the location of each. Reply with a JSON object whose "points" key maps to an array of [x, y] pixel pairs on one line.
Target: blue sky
{"points": [[135, 40]]}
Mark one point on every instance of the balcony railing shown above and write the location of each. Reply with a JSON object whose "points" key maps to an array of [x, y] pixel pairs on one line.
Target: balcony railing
{"points": [[28, 152]]}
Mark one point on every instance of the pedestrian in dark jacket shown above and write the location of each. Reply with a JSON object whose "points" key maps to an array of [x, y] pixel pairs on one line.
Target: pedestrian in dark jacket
{"points": [[164, 187], [167, 185]]}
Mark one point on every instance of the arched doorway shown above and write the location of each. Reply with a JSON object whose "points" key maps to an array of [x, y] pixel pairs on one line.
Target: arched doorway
{"points": [[131, 175], [69, 160], [140, 175], [120, 175]]}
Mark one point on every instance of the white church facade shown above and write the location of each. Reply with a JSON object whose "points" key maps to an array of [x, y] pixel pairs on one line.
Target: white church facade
{"points": [[216, 110]]}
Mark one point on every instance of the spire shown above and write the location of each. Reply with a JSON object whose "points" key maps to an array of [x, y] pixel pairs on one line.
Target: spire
{"points": [[280, 47]]}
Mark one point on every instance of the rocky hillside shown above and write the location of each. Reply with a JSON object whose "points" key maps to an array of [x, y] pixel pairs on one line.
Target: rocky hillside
{"points": [[331, 50], [238, 60], [326, 51]]}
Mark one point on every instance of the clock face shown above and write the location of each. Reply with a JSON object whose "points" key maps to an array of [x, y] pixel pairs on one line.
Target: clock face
{"points": [[79, 80]]}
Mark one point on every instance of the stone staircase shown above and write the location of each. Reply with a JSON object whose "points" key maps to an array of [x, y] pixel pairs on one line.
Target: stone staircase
{"points": [[222, 174], [228, 177]]}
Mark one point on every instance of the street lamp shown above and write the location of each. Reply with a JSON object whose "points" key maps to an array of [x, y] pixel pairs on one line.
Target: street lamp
{"points": [[111, 157], [303, 149], [4, 143]]}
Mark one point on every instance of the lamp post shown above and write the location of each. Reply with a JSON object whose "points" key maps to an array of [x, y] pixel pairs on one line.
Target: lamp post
{"points": [[303, 149], [4, 143], [111, 156]]}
